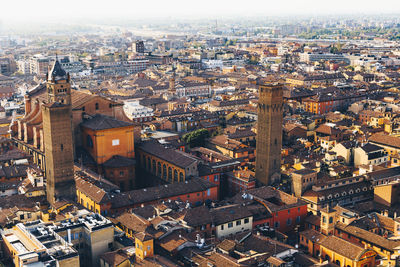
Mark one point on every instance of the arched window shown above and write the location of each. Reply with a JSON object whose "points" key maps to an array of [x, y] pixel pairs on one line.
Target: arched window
{"points": [[89, 141], [169, 174], [181, 176], [327, 258], [154, 166], [337, 262], [175, 176], [159, 169], [164, 172], [96, 106]]}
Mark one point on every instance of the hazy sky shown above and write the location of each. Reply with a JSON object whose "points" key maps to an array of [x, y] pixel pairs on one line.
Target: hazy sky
{"points": [[22, 10]]}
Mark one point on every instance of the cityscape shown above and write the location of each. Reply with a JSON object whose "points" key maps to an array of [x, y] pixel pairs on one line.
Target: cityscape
{"points": [[213, 134]]}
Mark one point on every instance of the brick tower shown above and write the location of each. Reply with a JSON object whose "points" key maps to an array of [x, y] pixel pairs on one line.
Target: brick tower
{"points": [[58, 140], [269, 133]]}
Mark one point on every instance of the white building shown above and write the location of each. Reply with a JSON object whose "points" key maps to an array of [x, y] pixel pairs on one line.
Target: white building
{"points": [[232, 220], [223, 90], [137, 112], [212, 63], [39, 64], [23, 66], [311, 57], [370, 154], [192, 89]]}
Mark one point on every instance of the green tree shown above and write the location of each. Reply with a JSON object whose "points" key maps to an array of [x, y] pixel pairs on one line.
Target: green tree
{"points": [[196, 138], [334, 50]]}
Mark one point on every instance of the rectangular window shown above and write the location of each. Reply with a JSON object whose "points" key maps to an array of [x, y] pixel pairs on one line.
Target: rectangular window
{"points": [[222, 227], [208, 192], [115, 142], [246, 220], [239, 222], [230, 225]]}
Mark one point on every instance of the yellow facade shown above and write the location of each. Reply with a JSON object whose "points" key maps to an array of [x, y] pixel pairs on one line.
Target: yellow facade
{"points": [[366, 260], [69, 262], [161, 168], [232, 153], [36, 193], [88, 203], [144, 248], [376, 122]]}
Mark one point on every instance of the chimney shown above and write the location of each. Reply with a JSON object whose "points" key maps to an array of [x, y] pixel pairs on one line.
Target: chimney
{"points": [[27, 104], [386, 213]]}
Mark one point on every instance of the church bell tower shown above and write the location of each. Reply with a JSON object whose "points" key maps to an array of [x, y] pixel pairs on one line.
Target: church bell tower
{"points": [[58, 137]]}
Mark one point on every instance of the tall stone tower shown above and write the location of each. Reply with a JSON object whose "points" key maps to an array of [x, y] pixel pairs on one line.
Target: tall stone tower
{"points": [[269, 133], [58, 140]]}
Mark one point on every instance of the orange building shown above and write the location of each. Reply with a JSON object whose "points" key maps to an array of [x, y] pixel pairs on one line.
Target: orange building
{"points": [[232, 148], [110, 142], [102, 197], [318, 105], [287, 212], [336, 250], [310, 241], [344, 253]]}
